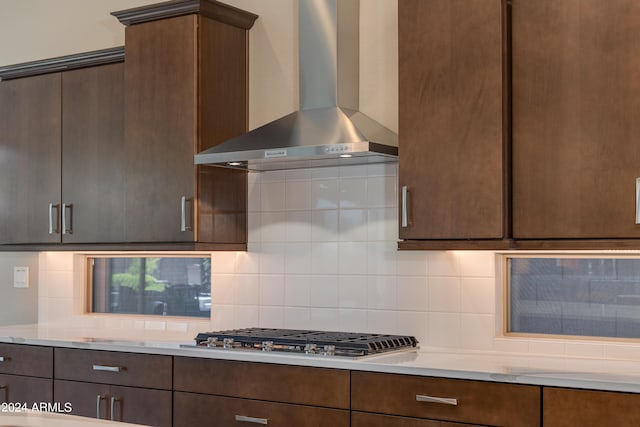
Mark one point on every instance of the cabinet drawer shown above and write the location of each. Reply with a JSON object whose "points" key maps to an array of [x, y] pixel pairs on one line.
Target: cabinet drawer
{"points": [[279, 383], [569, 408], [198, 410], [28, 360], [108, 367], [467, 401]]}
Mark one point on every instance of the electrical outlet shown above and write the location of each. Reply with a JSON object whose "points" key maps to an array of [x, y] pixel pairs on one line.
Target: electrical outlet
{"points": [[20, 277]]}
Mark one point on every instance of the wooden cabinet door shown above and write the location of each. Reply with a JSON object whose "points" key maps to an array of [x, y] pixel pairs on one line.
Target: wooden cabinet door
{"points": [[25, 391], [141, 406], [86, 399], [191, 409], [570, 408], [93, 154], [30, 159], [160, 129], [576, 101], [451, 148]]}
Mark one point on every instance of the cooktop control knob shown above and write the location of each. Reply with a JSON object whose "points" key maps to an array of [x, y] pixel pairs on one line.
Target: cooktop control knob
{"points": [[267, 345], [329, 350], [227, 343], [212, 341], [311, 349]]}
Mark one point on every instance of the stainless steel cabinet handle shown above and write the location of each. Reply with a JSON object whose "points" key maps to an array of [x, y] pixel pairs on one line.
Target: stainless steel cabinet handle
{"points": [[245, 419], [65, 229], [99, 398], [6, 392], [1, 359], [51, 227], [441, 400], [184, 226], [108, 368], [405, 214], [637, 200], [113, 407]]}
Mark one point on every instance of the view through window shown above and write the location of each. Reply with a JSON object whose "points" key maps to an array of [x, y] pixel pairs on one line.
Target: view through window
{"points": [[597, 297], [165, 286]]}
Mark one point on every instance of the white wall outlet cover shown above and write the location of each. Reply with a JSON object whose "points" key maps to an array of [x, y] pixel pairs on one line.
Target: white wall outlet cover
{"points": [[20, 277]]}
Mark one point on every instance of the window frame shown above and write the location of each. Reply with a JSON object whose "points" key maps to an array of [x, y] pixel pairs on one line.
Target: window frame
{"points": [[88, 283]]}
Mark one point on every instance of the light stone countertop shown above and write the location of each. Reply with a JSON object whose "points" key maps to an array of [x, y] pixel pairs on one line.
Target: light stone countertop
{"points": [[11, 417], [597, 374]]}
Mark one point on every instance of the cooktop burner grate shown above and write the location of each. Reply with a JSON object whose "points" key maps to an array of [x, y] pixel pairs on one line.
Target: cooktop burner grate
{"points": [[305, 341]]}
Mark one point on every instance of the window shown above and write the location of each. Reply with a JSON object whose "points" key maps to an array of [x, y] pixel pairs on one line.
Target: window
{"points": [[580, 296], [165, 286]]}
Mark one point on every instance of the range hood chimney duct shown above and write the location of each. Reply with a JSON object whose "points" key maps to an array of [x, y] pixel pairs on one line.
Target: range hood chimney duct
{"points": [[329, 129]]}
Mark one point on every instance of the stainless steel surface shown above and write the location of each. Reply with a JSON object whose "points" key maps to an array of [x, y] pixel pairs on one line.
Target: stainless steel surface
{"points": [[305, 342], [99, 398], [637, 200], [1, 358], [51, 228], [183, 213], [404, 221], [328, 130], [65, 229], [245, 419], [440, 400], [104, 368], [5, 388], [112, 408]]}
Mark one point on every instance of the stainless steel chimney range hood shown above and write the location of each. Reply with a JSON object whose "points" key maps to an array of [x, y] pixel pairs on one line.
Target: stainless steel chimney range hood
{"points": [[329, 129]]}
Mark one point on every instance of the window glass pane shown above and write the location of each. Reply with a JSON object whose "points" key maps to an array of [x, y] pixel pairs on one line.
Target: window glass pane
{"points": [[167, 286], [597, 297]]}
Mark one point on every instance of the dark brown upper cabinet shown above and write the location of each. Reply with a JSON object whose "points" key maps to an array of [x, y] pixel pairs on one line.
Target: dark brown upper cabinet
{"points": [[61, 145], [576, 102], [186, 74], [453, 171]]}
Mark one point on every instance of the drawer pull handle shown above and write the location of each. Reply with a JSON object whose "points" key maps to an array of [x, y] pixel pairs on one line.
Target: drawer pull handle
{"points": [[99, 398], [637, 200], [5, 387], [113, 407], [2, 359], [441, 400], [404, 221], [107, 368], [245, 419]]}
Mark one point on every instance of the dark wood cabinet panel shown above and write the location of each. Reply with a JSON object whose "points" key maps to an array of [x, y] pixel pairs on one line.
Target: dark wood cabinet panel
{"points": [[476, 402], [451, 122], [363, 419], [26, 391], [160, 128], [93, 154], [19, 359], [30, 165], [569, 408], [281, 383], [86, 399], [186, 90], [141, 406], [108, 367], [192, 409], [575, 107]]}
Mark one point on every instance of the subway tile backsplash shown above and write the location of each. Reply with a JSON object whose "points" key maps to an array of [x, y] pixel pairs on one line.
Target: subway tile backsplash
{"points": [[322, 255]]}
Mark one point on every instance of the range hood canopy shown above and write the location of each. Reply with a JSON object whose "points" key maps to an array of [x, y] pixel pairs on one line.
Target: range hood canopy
{"points": [[329, 129]]}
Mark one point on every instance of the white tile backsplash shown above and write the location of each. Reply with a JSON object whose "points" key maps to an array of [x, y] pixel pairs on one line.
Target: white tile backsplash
{"points": [[323, 255]]}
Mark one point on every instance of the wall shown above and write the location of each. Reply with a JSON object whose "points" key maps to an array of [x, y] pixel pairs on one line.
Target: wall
{"points": [[18, 305]]}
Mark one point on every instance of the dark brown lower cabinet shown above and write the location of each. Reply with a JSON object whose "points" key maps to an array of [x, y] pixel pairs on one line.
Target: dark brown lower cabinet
{"points": [[25, 391], [362, 419], [192, 409], [444, 400], [128, 404], [564, 407]]}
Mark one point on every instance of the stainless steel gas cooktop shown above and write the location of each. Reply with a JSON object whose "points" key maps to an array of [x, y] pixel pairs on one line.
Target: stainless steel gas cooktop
{"points": [[317, 343]]}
